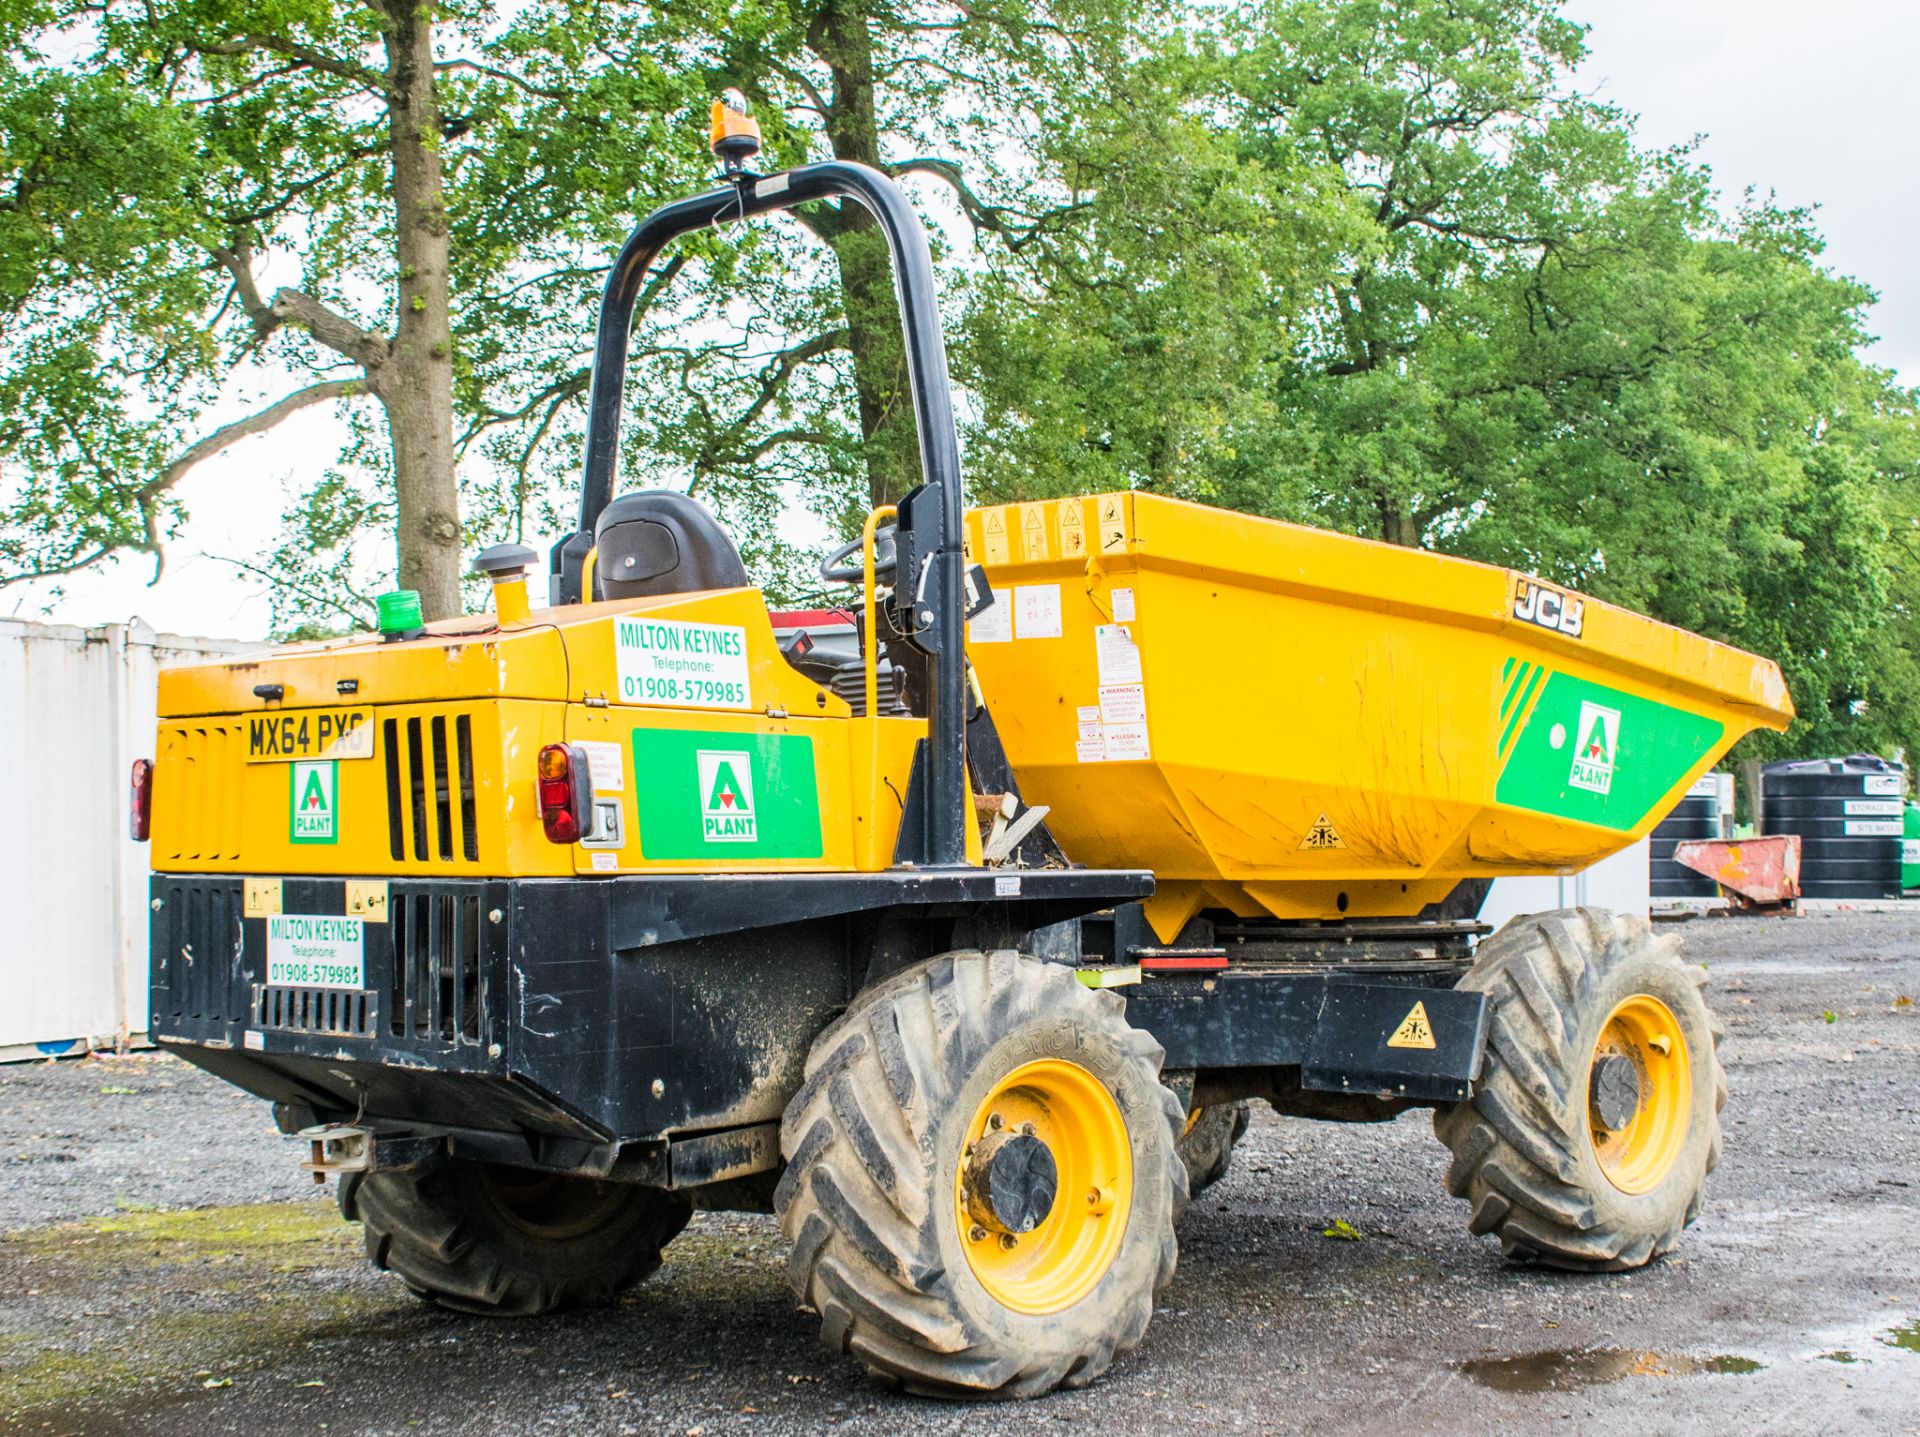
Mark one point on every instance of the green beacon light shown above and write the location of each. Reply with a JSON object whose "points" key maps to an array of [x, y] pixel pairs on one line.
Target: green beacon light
{"points": [[399, 614]]}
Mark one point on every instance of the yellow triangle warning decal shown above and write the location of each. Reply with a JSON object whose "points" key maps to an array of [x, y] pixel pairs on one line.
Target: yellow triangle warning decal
{"points": [[1414, 1030], [1322, 835]]}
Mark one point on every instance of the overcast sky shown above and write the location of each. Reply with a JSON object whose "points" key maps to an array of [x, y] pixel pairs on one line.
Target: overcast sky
{"points": [[1814, 102]]}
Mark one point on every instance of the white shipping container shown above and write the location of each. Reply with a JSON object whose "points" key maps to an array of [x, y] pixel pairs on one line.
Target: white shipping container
{"points": [[1620, 883], [76, 708]]}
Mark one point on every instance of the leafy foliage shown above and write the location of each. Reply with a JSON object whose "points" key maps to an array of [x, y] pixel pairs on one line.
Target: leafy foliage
{"points": [[1506, 332], [1373, 264]]}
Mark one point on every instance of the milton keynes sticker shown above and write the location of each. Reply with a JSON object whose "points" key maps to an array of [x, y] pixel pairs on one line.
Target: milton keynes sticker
{"points": [[681, 665]]}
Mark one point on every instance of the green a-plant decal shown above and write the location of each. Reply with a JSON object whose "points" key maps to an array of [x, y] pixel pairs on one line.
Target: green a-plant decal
{"points": [[1585, 751], [313, 793], [726, 778]]}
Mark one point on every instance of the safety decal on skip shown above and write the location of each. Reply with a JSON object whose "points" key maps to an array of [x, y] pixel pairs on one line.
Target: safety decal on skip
{"points": [[993, 526], [1115, 729], [1322, 835], [1073, 530]]}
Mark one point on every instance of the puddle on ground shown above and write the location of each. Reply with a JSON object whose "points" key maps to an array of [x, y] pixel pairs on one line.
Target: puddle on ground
{"points": [[1906, 1336], [1559, 1371]]}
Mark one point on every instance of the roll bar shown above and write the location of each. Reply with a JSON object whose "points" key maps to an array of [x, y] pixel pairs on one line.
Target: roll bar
{"points": [[931, 516]]}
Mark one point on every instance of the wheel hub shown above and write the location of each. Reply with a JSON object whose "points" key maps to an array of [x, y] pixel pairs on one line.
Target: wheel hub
{"points": [[1613, 1090], [1639, 1094], [1011, 1181]]}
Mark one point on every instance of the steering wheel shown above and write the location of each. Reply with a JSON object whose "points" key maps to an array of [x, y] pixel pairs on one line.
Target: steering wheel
{"points": [[842, 566]]}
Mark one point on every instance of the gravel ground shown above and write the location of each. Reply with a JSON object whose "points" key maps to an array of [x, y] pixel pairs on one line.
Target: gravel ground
{"points": [[169, 1271]]}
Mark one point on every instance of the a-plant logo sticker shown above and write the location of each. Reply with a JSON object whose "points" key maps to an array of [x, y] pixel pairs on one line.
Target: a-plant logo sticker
{"points": [[1599, 740], [726, 796], [314, 791]]}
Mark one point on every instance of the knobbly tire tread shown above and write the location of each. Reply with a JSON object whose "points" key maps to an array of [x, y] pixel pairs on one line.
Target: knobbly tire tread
{"points": [[861, 1199], [1207, 1151], [1521, 1155], [436, 1229]]}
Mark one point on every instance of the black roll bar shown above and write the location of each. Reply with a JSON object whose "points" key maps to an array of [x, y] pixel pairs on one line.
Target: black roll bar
{"points": [[939, 588]]}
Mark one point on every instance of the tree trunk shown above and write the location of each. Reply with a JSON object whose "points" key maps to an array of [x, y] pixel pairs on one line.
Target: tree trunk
{"points": [[839, 36], [417, 385]]}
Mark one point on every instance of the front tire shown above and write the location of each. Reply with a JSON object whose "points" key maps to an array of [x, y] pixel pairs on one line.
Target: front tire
{"points": [[1589, 1138], [511, 1242], [981, 1180]]}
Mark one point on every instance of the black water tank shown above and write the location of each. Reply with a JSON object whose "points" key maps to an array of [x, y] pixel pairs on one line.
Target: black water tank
{"points": [[1695, 816], [1848, 813]]}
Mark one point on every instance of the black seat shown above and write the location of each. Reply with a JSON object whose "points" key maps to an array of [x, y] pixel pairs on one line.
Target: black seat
{"points": [[659, 542]]}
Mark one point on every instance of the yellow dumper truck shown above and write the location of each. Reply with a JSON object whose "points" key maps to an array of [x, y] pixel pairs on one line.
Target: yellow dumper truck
{"points": [[956, 928]]}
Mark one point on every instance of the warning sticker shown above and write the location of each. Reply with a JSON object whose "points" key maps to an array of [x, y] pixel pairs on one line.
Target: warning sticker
{"points": [[1123, 703], [604, 765], [1091, 750], [1127, 742], [993, 624], [681, 665], [1033, 532], [993, 527], [1123, 609], [1322, 835], [1036, 611], [1115, 654], [1073, 530], [1414, 1030], [1113, 523]]}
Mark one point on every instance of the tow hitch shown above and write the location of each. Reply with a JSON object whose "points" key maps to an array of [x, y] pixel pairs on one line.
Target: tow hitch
{"points": [[337, 1148]]}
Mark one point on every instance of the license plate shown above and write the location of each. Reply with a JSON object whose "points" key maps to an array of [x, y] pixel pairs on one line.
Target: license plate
{"points": [[309, 951], [311, 733]]}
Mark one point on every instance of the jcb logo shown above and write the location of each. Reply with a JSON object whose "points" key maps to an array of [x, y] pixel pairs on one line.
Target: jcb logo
{"points": [[1536, 603]]}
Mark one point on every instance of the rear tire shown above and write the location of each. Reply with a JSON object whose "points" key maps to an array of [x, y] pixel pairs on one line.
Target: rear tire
{"points": [[1554, 1165], [1206, 1146], [510, 1242], [900, 1100]]}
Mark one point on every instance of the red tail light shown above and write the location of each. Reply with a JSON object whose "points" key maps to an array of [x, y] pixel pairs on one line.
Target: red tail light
{"points": [[564, 794], [140, 801]]}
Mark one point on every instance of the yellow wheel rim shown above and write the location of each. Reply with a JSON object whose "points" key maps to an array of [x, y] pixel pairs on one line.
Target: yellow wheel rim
{"points": [[1639, 1094], [1063, 1259]]}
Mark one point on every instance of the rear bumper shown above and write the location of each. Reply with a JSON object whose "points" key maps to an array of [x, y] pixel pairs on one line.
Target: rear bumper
{"points": [[582, 1013]]}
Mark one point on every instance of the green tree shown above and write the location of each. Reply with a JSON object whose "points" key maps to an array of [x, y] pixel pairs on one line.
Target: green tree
{"points": [[1522, 338], [164, 159], [410, 211]]}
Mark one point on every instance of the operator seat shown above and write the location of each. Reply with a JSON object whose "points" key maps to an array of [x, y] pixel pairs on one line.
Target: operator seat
{"points": [[661, 542]]}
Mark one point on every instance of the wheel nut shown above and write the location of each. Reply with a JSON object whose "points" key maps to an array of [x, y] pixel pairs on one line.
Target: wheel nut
{"points": [[996, 1122], [1027, 1128], [976, 1233], [1093, 1197], [1008, 1241]]}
